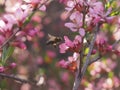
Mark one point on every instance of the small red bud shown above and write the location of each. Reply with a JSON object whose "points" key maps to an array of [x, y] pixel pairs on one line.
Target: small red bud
{"points": [[94, 51], [13, 65], [109, 48]]}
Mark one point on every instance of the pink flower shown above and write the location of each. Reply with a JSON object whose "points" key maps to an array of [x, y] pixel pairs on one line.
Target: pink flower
{"points": [[35, 3], [10, 18], [13, 65], [69, 45], [42, 8], [70, 5], [101, 39], [62, 63], [97, 14], [5, 29], [76, 23], [21, 15], [65, 46], [82, 32], [71, 26], [74, 5], [71, 64], [96, 8]]}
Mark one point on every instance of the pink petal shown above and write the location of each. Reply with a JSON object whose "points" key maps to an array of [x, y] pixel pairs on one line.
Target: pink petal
{"points": [[72, 26], [78, 38], [43, 8], [63, 48], [82, 32]]}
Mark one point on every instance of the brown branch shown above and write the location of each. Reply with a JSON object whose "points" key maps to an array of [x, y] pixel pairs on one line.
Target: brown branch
{"points": [[78, 77], [17, 79], [94, 60]]}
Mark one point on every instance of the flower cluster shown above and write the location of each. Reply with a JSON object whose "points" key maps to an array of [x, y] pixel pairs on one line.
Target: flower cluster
{"points": [[71, 64], [13, 23], [73, 46], [84, 16], [103, 45], [16, 26], [90, 22], [69, 45]]}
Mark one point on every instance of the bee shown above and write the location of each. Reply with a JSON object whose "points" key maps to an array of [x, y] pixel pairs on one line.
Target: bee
{"points": [[53, 40]]}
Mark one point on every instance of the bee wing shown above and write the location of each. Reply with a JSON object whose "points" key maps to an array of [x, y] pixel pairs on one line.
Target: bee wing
{"points": [[49, 35], [51, 39], [49, 42]]}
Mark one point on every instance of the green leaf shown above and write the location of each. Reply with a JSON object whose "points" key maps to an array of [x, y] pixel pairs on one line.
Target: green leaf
{"points": [[3, 54], [7, 52]]}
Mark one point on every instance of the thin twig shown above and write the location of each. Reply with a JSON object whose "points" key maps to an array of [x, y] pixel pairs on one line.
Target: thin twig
{"points": [[82, 45], [78, 78], [94, 60], [17, 79]]}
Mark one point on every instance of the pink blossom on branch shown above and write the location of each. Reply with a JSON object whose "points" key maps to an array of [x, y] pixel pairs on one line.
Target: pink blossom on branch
{"points": [[77, 23], [69, 45], [21, 15], [71, 64], [5, 30], [35, 4]]}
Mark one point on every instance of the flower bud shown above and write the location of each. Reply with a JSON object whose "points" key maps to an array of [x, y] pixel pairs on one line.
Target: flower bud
{"points": [[94, 51], [13, 65]]}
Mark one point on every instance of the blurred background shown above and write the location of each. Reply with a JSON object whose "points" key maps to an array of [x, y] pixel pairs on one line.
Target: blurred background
{"points": [[38, 63]]}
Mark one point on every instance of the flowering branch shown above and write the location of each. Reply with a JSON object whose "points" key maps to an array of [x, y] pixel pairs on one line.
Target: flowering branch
{"points": [[25, 23], [10, 38], [79, 77]]}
